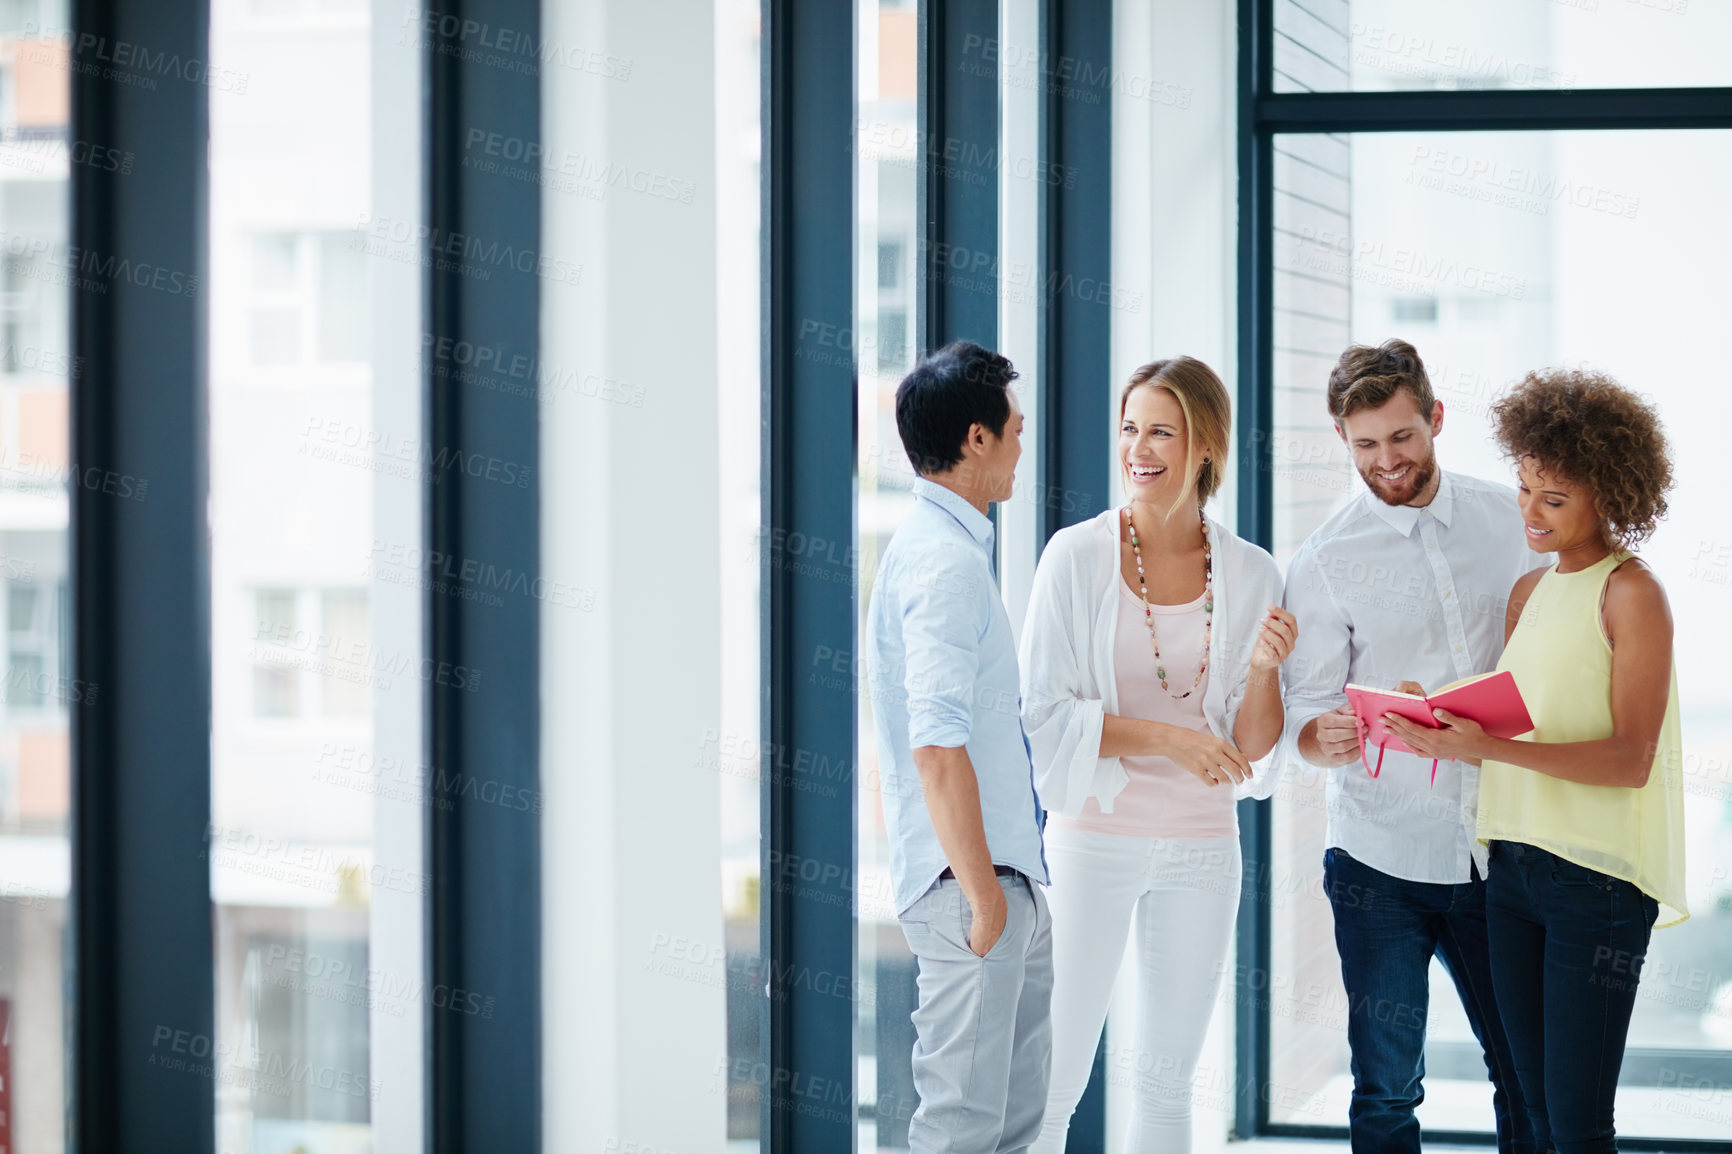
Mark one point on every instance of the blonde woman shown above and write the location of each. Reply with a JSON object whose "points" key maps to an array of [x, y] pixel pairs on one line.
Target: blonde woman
{"points": [[1150, 687]]}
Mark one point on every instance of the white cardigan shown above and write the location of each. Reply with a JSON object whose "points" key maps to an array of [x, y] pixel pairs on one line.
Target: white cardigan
{"points": [[1068, 680]]}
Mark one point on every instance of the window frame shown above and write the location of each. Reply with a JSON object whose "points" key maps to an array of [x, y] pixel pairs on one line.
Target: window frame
{"points": [[807, 249], [143, 954], [483, 914]]}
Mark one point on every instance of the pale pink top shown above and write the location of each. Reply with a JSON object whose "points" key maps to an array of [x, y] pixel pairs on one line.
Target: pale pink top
{"points": [[1161, 799]]}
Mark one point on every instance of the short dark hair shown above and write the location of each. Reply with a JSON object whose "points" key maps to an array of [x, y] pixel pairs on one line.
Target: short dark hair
{"points": [[943, 395], [1366, 377]]}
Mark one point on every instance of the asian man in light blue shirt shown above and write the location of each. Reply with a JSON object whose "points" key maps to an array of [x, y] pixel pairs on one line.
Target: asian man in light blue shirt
{"points": [[958, 782]]}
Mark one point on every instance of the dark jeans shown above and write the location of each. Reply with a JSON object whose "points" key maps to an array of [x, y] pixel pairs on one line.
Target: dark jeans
{"points": [[1567, 945], [1386, 931]]}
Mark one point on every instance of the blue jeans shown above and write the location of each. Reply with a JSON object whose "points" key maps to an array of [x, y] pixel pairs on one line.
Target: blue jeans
{"points": [[1386, 931], [1567, 945]]}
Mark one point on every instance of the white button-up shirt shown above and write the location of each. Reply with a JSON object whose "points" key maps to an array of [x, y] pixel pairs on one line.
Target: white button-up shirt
{"points": [[1391, 593]]}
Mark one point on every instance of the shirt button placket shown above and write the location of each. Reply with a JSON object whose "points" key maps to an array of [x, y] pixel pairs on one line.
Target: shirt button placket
{"points": [[1445, 592]]}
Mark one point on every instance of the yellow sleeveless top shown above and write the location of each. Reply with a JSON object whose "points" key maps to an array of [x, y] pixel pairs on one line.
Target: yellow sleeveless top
{"points": [[1562, 663]]}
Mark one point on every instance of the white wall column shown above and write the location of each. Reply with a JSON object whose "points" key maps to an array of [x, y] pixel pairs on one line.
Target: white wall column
{"points": [[634, 980], [1021, 91], [1175, 173], [397, 931], [1175, 245]]}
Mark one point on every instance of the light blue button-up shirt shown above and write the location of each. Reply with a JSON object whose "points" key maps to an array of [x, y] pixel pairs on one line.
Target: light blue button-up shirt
{"points": [[943, 672]]}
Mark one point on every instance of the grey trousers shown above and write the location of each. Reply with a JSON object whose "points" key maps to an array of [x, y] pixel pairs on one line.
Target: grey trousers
{"points": [[983, 1044]]}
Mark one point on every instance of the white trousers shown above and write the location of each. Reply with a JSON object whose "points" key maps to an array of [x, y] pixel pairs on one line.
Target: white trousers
{"points": [[1183, 895]]}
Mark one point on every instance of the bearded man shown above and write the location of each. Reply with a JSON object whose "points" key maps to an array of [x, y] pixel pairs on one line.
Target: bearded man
{"points": [[1404, 587]]}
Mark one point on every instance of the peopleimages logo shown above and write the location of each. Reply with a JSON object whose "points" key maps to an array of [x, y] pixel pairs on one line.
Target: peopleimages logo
{"points": [[499, 369], [497, 152], [1515, 186], [460, 251], [1412, 54], [261, 1071], [85, 268], [478, 42], [1407, 269], [330, 439], [129, 63], [29, 149], [1068, 77]]}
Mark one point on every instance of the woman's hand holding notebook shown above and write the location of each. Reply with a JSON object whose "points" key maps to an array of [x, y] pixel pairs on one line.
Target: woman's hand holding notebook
{"points": [[1490, 699]]}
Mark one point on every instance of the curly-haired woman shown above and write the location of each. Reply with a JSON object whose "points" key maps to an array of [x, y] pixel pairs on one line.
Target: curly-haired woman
{"points": [[1584, 816]]}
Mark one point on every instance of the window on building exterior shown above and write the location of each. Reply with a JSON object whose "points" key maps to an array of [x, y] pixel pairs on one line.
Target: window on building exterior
{"points": [[311, 653], [308, 299]]}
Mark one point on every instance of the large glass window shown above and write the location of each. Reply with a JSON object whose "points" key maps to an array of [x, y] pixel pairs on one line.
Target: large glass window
{"points": [[316, 464], [1497, 253], [38, 689], [1397, 45]]}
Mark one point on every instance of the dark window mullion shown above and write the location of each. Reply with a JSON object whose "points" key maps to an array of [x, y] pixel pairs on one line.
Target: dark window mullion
{"points": [[809, 864], [1076, 226], [143, 986], [957, 201], [1253, 418], [482, 669], [1075, 250], [1500, 110]]}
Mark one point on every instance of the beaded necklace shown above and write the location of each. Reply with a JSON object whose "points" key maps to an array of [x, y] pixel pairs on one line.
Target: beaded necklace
{"points": [[1149, 613]]}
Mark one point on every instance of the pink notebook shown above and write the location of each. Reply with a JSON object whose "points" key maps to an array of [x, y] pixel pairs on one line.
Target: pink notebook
{"points": [[1491, 699]]}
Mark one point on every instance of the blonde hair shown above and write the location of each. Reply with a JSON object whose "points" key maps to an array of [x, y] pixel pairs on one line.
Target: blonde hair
{"points": [[1208, 413]]}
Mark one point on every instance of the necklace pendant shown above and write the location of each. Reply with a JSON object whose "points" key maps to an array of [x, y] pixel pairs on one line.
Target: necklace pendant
{"points": [[1148, 608]]}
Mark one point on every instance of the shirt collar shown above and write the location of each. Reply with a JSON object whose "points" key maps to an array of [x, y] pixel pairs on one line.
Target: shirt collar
{"points": [[978, 524], [1402, 518]]}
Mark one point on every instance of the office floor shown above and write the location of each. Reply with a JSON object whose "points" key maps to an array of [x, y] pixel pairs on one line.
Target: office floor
{"points": [[1648, 1111], [1312, 1146], [1259, 1146]]}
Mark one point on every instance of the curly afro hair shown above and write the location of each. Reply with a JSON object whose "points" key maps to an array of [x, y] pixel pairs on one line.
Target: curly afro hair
{"points": [[1586, 427]]}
